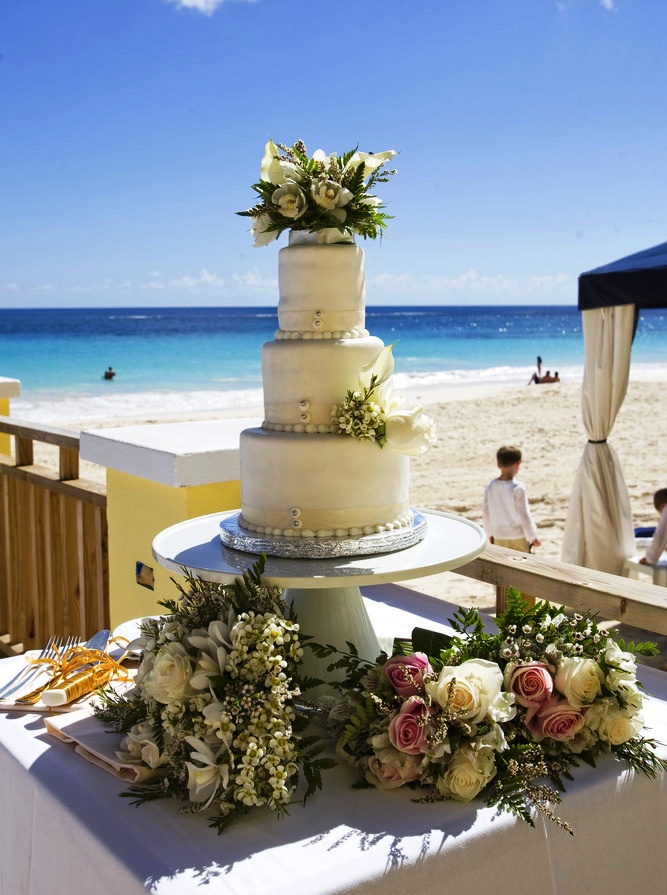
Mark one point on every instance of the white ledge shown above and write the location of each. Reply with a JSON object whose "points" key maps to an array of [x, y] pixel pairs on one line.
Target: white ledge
{"points": [[175, 454], [10, 388]]}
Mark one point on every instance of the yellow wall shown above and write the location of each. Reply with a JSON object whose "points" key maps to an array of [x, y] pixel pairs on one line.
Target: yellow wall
{"points": [[137, 509], [5, 440]]}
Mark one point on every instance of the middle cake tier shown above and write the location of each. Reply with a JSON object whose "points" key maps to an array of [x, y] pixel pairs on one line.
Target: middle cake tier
{"points": [[304, 380]]}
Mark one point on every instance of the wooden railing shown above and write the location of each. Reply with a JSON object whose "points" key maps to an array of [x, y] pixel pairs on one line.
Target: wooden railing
{"points": [[53, 542], [626, 600]]}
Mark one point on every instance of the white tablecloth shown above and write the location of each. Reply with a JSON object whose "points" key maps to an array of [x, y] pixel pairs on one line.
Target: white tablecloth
{"points": [[64, 829]]}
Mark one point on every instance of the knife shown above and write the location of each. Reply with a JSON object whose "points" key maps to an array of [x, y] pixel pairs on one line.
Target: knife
{"points": [[76, 684]]}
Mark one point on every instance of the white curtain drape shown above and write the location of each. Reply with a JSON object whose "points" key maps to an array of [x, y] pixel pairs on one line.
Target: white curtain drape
{"points": [[598, 529]]}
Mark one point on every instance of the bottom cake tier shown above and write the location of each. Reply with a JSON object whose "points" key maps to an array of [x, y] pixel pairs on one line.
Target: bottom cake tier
{"points": [[295, 485]]}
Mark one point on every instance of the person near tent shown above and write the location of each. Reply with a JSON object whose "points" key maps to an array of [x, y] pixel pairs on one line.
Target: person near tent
{"points": [[659, 540], [506, 517]]}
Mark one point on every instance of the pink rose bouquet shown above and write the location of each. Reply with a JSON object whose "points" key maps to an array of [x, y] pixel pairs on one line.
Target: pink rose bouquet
{"points": [[505, 715]]}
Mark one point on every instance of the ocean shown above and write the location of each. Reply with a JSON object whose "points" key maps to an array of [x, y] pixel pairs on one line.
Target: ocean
{"points": [[199, 360]]}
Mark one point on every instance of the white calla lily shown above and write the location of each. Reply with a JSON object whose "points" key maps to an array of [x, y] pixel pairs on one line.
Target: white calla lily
{"points": [[205, 779], [381, 367], [370, 160], [271, 169]]}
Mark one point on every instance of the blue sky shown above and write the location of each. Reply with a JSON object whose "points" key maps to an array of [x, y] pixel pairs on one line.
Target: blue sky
{"points": [[532, 137]]}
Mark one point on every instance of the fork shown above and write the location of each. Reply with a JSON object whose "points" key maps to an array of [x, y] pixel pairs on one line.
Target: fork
{"points": [[53, 646]]}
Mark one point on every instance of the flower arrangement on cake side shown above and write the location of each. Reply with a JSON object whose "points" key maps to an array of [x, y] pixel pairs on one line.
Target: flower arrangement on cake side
{"points": [[213, 711], [325, 194], [505, 716], [371, 413]]}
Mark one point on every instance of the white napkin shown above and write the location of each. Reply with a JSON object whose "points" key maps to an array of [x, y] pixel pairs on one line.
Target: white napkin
{"points": [[93, 741]]}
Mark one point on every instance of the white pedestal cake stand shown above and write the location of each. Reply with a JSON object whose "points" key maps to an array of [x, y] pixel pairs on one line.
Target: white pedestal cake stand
{"points": [[325, 592]]}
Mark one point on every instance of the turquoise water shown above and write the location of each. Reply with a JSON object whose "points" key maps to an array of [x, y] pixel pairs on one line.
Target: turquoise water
{"points": [[200, 359]]}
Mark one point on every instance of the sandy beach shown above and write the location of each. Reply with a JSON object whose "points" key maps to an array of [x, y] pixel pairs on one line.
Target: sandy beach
{"points": [[544, 421]]}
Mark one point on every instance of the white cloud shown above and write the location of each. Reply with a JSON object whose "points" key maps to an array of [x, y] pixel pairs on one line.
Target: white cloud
{"points": [[608, 4], [470, 283], [9, 287], [207, 7], [203, 280], [253, 280]]}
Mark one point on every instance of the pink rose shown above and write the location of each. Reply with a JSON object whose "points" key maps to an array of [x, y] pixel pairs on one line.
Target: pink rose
{"points": [[531, 683], [407, 729], [391, 774], [555, 719], [405, 673]]}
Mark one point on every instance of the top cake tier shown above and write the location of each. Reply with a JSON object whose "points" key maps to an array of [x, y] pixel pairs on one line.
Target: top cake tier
{"points": [[322, 292]]}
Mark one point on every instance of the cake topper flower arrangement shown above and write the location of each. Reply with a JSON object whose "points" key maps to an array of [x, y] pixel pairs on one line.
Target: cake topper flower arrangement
{"points": [[371, 413], [325, 194]]}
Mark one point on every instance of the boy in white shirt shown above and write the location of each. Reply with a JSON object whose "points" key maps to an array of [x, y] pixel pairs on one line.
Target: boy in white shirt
{"points": [[505, 513], [659, 541]]}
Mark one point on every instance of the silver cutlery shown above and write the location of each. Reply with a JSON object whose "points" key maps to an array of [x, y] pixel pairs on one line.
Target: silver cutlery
{"points": [[53, 647]]}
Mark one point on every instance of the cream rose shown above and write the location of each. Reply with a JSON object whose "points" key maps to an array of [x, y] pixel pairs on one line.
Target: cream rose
{"points": [[579, 680], [467, 774], [612, 724], [469, 689], [169, 678]]}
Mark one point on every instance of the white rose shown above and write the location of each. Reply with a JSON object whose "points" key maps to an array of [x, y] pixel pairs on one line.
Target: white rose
{"points": [[469, 689], [291, 200], [329, 194], [410, 432], [579, 681], [169, 679], [467, 774], [612, 724]]}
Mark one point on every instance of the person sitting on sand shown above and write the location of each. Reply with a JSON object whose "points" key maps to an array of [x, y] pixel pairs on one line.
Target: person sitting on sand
{"points": [[546, 378], [659, 541], [109, 373]]}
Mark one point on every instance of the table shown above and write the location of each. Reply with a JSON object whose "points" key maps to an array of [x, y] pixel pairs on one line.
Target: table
{"points": [[64, 828], [325, 592]]}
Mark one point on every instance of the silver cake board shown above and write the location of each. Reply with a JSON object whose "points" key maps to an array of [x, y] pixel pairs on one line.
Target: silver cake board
{"points": [[232, 535]]}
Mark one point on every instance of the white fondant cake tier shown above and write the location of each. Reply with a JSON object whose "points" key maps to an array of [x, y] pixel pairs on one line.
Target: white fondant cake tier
{"points": [[304, 380], [322, 290], [307, 486]]}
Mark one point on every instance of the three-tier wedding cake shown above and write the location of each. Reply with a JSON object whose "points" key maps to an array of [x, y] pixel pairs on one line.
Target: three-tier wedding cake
{"points": [[328, 470]]}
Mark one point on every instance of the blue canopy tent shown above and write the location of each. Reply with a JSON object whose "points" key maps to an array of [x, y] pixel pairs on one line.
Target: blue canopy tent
{"points": [[598, 529]]}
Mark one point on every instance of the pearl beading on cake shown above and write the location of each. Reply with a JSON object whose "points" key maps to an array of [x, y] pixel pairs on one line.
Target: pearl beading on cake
{"points": [[283, 335], [304, 427], [298, 531]]}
